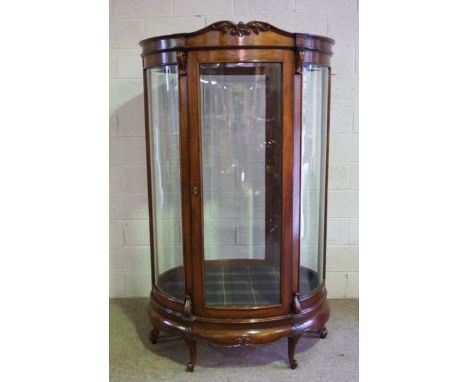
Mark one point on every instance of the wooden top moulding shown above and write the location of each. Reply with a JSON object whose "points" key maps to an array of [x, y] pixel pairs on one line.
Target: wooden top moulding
{"points": [[229, 35]]}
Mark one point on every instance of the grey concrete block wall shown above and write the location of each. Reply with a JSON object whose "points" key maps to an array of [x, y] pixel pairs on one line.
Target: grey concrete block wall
{"points": [[133, 20]]}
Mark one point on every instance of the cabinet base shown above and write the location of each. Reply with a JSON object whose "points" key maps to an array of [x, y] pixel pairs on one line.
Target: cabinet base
{"points": [[241, 332]]}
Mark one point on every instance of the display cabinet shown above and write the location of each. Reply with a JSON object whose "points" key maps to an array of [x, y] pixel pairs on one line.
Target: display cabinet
{"points": [[237, 147]]}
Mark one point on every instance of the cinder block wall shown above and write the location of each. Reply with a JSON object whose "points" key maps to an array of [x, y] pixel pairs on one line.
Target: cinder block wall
{"points": [[133, 20]]}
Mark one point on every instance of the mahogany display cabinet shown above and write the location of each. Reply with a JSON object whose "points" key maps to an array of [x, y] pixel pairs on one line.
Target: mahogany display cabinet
{"points": [[237, 157]]}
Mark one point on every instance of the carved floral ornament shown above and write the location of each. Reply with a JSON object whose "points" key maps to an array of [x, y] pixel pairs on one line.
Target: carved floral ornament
{"points": [[241, 29], [243, 340]]}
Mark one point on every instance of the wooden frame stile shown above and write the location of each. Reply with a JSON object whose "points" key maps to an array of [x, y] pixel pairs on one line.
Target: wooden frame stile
{"points": [[185, 178], [148, 171], [287, 254], [326, 176], [192, 318], [297, 172], [196, 183]]}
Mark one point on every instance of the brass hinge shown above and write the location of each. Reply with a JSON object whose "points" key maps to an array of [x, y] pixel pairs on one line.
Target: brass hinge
{"points": [[188, 306], [299, 61], [182, 62], [296, 305]]}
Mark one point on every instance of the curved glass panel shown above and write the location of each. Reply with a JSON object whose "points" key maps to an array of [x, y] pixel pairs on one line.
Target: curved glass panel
{"points": [[241, 114], [163, 102], [313, 162]]}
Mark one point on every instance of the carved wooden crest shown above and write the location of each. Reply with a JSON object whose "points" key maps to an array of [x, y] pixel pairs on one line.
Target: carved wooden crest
{"points": [[240, 29]]}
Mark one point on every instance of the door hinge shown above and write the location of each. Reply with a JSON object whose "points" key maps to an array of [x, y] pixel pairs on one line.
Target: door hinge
{"points": [[181, 57], [296, 305], [188, 306], [194, 190], [299, 61]]}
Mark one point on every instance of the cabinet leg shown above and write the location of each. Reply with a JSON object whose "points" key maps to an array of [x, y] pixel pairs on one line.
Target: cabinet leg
{"points": [[192, 347], [153, 337], [323, 332], [292, 342]]}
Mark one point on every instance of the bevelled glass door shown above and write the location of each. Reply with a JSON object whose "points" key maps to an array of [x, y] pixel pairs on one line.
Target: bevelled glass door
{"points": [[241, 153]]}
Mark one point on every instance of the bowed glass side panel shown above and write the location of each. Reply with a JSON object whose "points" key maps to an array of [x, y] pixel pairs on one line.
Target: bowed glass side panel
{"points": [[241, 131], [163, 99], [313, 169]]}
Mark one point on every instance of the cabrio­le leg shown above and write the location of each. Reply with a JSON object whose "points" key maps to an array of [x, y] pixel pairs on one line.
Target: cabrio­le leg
{"points": [[292, 342], [192, 346]]}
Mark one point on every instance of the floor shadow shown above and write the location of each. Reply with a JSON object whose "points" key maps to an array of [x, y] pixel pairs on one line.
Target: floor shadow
{"points": [[136, 310], [168, 346]]}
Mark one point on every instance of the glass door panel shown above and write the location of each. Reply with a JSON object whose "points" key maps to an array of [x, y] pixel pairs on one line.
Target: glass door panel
{"points": [[163, 97], [241, 134], [313, 162]]}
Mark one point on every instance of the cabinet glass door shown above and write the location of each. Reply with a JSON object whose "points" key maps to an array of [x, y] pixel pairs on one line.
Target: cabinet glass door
{"points": [[241, 136], [313, 162], [163, 99]]}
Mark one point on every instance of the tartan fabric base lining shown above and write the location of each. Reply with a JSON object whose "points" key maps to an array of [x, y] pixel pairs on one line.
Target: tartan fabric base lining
{"points": [[234, 284]]}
